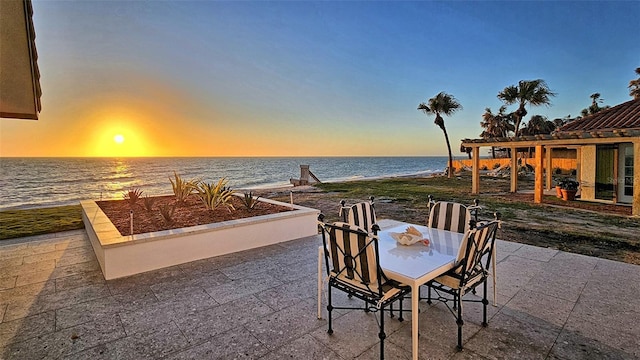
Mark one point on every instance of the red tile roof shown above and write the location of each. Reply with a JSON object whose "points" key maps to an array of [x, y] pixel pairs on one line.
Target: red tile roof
{"points": [[622, 116]]}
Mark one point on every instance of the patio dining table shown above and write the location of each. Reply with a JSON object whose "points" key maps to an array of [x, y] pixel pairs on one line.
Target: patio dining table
{"points": [[417, 264], [414, 265]]}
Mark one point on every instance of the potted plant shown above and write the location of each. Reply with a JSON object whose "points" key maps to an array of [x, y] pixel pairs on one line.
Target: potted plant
{"points": [[569, 187], [558, 182]]}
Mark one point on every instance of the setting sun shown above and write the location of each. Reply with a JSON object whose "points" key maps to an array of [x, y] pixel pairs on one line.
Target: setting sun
{"points": [[118, 139]]}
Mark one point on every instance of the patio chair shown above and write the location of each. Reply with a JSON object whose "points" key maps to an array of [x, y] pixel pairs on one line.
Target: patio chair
{"points": [[456, 217], [362, 214], [451, 216], [353, 266], [469, 272]]}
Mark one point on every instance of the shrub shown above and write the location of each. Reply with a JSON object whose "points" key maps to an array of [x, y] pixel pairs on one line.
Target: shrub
{"points": [[181, 188], [132, 196], [167, 211], [213, 196], [250, 201], [148, 202]]}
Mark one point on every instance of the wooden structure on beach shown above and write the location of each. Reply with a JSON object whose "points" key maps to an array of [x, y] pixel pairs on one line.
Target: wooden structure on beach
{"points": [[306, 177], [607, 148]]}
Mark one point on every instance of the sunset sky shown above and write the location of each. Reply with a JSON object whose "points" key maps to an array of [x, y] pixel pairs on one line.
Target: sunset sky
{"points": [[306, 78]]}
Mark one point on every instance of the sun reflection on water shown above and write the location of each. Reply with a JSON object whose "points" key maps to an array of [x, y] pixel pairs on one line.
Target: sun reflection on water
{"points": [[120, 178]]}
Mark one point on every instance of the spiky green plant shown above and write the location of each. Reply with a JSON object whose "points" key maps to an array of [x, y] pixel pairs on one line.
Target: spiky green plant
{"points": [[181, 188], [132, 196], [250, 201], [167, 211], [148, 202], [215, 195]]}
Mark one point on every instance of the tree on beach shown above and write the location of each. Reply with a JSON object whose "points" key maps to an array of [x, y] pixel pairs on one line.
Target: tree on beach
{"points": [[527, 92], [496, 125], [537, 125], [634, 86], [444, 104], [467, 150], [559, 122], [594, 107]]}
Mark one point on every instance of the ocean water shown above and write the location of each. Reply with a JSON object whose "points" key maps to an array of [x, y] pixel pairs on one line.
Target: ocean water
{"points": [[44, 182]]}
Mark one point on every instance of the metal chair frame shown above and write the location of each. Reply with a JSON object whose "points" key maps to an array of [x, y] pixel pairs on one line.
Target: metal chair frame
{"points": [[469, 268], [374, 297], [474, 210]]}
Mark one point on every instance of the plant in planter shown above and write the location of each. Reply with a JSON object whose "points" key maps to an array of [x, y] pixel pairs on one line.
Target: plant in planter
{"points": [[214, 195], [148, 202], [558, 181], [167, 211], [569, 187], [182, 188], [132, 196], [249, 201]]}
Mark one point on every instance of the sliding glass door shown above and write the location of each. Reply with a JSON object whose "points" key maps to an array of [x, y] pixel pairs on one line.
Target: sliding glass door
{"points": [[625, 173]]}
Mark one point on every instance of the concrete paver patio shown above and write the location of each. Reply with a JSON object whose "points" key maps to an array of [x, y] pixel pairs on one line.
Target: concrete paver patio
{"points": [[261, 304]]}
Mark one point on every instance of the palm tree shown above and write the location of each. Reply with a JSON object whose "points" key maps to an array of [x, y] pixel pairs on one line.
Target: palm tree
{"points": [[538, 124], [594, 107], [532, 92], [496, 125], [559, 122], [634, 86], [444, 104], [466, 150]]}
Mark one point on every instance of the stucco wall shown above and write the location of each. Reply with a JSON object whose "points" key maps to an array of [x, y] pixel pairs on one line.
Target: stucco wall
{"points": [[636, 179]]}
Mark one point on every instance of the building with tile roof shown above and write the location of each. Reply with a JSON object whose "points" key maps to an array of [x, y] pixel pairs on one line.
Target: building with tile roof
{"points": [[607, 148]]}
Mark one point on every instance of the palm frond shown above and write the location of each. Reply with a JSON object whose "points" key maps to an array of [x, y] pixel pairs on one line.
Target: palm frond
{"points": [[424, 108]]}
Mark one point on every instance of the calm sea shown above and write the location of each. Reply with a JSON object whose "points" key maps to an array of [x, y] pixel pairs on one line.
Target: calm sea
{"points": [[43, 182]]}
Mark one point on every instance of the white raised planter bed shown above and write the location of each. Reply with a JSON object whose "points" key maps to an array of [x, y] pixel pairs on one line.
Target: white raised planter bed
{"points": [[127, 255]]}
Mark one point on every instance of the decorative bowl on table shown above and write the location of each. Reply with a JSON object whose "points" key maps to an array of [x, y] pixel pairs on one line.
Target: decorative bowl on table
{"points": [[409, 237]]}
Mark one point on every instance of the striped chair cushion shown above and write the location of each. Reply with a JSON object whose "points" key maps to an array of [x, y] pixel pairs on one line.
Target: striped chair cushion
{"points": [[475, 245], [353, 255], [354, 262], [449, 216], [362, 215]]}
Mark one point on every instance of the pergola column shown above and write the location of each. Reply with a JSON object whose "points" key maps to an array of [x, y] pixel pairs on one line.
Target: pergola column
{"points": [[514, 170], [475, 170], [549, 168], [539, 168]]}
